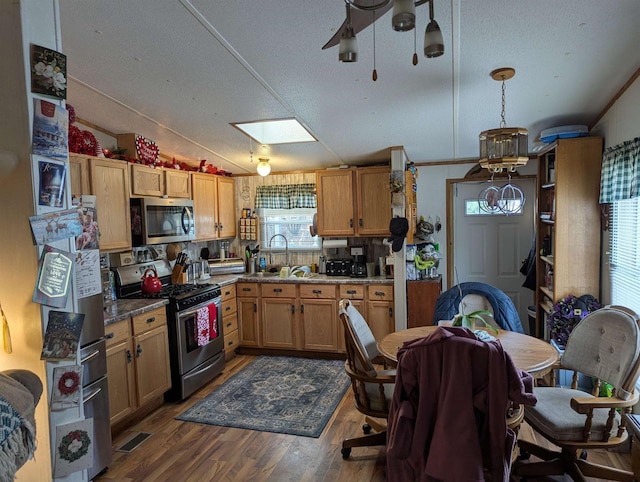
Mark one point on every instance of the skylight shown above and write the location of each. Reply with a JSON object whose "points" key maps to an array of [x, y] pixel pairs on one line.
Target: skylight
{"points": [[277, 131]]}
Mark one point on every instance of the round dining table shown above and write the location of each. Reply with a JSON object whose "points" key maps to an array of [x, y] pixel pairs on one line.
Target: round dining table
{"points": [[528, 353]]}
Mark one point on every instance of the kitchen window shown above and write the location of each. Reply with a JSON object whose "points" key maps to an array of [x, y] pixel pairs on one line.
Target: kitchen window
{"points": [[293, 224]]}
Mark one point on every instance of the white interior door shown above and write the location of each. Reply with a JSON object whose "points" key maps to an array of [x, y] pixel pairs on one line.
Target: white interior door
{"points": [[489, 248]]}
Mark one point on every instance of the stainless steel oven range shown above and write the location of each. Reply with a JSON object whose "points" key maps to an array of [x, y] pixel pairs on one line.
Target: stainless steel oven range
{"points": [[194, 318]]}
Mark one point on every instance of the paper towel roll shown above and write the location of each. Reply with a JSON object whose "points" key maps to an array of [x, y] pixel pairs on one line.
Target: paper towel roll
{"points": [[334, 243]]}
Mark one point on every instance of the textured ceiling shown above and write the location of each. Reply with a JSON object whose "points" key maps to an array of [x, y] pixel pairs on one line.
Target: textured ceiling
{"points": [[179, 72]]}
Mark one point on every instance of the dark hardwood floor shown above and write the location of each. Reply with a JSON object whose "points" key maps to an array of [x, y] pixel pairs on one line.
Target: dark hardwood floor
{"points": [[185, 451]]}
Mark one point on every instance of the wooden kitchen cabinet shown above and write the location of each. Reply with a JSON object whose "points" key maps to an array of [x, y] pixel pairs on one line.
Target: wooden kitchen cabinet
{"points": [[149, 181], [108, 180], [213, 204], [151, 351], [137, 362], [354, 201], [248, 316], [421, 301], [279, 321], [318, 317], [230, 320], [380, 314], [122, 391]]}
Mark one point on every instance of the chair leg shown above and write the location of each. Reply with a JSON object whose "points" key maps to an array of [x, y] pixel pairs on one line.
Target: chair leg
{"points": [[375, 424], [370, 440], [601, 472], [540, 452]]}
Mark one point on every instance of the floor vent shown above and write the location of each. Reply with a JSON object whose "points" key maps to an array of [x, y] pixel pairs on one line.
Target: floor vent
{"points": [[134, 442]]}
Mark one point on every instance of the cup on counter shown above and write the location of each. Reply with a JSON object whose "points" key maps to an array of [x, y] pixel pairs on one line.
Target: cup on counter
{"points": [[371, 269]]}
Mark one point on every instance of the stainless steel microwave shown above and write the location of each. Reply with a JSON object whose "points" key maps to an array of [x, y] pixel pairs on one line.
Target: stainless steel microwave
{"points": [[161, 220]]}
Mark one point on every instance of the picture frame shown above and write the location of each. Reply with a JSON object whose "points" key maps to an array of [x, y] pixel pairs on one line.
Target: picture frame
{"points": [[48, 72]]}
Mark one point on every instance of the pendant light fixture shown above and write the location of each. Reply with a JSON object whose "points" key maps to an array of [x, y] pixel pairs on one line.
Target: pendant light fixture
{"points": [[348, 42], [404, 15], [504, 148], [264, 168], [433, 41]]}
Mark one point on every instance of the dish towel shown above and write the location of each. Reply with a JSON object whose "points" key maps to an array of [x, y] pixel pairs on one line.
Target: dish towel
{"points": [[202, 325]]}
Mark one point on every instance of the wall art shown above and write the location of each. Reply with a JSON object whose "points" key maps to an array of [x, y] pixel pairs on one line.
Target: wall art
{"points": [[50, 130], [48, 72]]}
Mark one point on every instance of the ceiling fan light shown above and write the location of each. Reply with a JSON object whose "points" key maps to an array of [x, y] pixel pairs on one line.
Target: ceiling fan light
{"points": [[348, 46], [404, 15], [263, 168], [433, 41]]}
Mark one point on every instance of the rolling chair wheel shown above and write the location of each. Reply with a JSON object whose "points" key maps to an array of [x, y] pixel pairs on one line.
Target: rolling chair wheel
{"points": [[524, 455], [366, 428], [346, 452]]}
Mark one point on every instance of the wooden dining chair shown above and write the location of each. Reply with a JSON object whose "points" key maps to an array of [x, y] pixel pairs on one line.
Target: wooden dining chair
{"points": [[606, 346], [372, 388]]}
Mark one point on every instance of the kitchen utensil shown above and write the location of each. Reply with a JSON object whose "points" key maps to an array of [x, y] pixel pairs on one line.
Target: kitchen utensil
{"points": [[150, 282]]}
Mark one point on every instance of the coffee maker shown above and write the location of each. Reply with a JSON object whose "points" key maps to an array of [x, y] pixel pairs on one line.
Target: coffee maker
{"points": [[359, 264]]}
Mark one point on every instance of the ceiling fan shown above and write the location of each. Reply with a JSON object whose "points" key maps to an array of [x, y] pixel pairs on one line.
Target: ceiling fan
{"points": [[363, 14]]}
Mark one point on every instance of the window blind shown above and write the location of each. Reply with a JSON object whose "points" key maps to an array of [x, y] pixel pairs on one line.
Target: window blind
{"points": [[624, 261]]}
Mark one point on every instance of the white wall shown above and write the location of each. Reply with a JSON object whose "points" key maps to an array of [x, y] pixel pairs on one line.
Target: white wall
{"points": [[621, 123]]}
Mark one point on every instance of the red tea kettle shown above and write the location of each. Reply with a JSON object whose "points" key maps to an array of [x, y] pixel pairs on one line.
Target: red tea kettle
{"points": [[150, 282]]}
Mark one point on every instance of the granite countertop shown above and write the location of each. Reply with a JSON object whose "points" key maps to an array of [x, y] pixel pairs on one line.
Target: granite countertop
{"points": [[122, 309], [227, 279]]}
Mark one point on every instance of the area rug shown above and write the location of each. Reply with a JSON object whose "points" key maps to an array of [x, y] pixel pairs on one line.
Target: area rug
{"points": [[289, 395]]}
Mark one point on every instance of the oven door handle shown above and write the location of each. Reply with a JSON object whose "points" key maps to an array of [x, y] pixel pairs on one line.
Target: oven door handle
{"points": [[91, 395], [195, 310]]}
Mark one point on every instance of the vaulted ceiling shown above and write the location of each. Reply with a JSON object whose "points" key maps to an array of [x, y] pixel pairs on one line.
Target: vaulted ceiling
{"points": [[180, 71]]}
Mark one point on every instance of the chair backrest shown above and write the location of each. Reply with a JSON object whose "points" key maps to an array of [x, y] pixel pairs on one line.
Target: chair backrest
{"points": [[372, 389], [606, 345], [505, 314], [359, 340]]}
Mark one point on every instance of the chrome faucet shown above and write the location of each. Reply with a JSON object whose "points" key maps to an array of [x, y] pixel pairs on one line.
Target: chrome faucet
{"points": [[286, 248]]}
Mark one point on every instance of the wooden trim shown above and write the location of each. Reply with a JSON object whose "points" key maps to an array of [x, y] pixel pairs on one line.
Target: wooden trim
{"points": [[96, 127], [615, 98]]}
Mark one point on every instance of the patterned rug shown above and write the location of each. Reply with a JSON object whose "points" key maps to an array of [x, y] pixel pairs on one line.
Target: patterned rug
{"points": [[276, 394]]}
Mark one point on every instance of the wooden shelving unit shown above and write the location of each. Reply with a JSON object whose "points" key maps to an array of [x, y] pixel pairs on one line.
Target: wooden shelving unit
{"points": [[568, 223]]}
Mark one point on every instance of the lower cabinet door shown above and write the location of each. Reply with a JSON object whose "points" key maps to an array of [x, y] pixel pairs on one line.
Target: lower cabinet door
{"points": [[319, 324], [278, 323], [151, 352], [121, 376]]}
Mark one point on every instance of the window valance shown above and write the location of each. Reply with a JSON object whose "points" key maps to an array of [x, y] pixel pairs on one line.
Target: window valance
{"points": [[620, 172], [286, 196]]}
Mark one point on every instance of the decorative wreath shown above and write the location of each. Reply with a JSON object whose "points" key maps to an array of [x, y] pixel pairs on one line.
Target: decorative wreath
{"points": [[68, 383], [74, 445]]}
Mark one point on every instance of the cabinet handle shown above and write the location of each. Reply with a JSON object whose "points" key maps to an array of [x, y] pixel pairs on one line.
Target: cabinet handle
{"points": [[228, 325], [255, 308], [221, 227], [227, 293], [227, 308], [229, 343], [138, 350], [151, 320], [379, 293], [317, 292], [277, 290], [293, 309], [351, 292], [350, 223], [301, 308], [360, 222], [129, 356], [390, 312], [108, 336], [246, 289]]}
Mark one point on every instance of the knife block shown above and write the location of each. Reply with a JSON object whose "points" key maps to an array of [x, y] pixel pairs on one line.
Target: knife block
{"points": [[178, 276]]}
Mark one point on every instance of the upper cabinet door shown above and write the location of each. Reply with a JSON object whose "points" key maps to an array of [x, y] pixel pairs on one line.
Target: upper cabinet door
{"points": [[204, 190], [374, 201], [177, 183], [109, 181], [335, 190], [146, 181], [226, 207]]}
